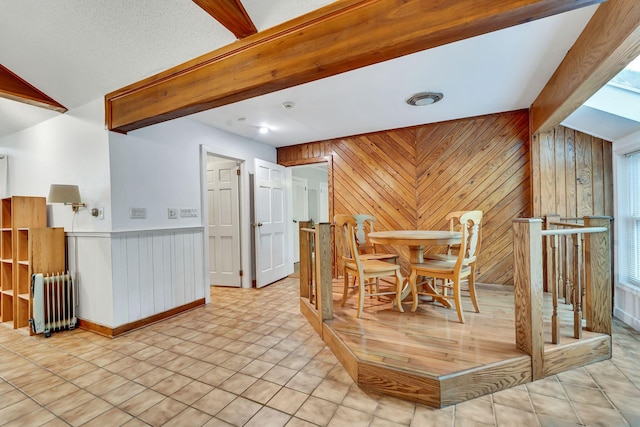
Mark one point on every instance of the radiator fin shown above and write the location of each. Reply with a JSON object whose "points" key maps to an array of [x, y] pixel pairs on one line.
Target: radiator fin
{"points": [[54, 303]]}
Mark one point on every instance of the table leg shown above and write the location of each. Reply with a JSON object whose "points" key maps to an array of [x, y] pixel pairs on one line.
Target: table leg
{"points": [[416, 257]]}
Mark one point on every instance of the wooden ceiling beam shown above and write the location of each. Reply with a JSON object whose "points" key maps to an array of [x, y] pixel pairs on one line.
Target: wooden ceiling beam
{"points": [[231, 14], [342, 36], [609, 42], [16, 89]]}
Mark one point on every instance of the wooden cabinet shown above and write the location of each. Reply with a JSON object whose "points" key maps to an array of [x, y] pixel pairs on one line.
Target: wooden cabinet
{"points": [[39, 250], [26, 246]]}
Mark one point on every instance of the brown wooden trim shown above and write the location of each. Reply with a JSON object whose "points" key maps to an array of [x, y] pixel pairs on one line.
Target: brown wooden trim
{"points": [[114, 332], [311, 314], [339, 37], [231, 14], [573, 355], [609, 42], [16, 89]]}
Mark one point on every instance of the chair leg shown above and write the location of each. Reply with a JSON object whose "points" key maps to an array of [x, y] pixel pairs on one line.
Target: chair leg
{"points": [[472, 288], [361, 292], [458, 299], [346, 288]]}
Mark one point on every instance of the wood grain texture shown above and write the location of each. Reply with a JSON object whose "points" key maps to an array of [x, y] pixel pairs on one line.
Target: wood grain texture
{"points": [[598, 276], [576, 173], [231, 14], [609, 42], [342, 36], [413, 177], [562, 358], [16, 89], [429, 357], [528, 291]]}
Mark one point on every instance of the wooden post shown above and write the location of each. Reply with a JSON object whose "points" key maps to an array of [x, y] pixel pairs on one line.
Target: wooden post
{"points": [[324, 280], [598, 275], [305, 260], [528, 291]]}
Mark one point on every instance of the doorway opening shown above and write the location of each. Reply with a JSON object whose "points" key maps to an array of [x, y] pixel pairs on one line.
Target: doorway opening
{"points": [[310, 197]]}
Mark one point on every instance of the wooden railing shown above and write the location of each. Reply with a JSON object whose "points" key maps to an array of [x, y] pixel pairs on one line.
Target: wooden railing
{"points": [[316, 293], [587, 255]]}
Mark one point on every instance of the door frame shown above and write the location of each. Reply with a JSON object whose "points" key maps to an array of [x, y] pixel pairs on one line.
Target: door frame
{"points": [[245, 214]]}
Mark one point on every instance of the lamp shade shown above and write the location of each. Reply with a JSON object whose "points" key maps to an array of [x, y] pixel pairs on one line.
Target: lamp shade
{"points": [[68, 194]]}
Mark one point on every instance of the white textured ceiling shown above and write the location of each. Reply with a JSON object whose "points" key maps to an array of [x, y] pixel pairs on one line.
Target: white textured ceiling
{"points": [[76, 51]]}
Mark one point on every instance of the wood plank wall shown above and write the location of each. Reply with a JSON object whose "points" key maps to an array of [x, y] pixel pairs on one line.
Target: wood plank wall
{"points": [[412, 177], [571, 174]]}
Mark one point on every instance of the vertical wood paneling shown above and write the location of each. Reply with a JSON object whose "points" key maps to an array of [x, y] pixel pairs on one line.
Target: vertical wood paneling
{"points": [[582, 174], [158, 274], [133, 276], [411, 178], [156, 271], [167, 270], [559, 174], [570, 176], [147, 282]]}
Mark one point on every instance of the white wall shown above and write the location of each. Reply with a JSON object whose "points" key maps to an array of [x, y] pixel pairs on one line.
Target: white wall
{"points": [[71, 148], [158, 167], [121, 263], [627, 296]]}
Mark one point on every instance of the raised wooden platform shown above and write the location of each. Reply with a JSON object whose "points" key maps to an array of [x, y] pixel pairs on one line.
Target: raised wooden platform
{"points": [[431, 358]]}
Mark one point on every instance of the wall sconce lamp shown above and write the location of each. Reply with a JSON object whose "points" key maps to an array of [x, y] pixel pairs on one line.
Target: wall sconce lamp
{"points": [[69, 195]]}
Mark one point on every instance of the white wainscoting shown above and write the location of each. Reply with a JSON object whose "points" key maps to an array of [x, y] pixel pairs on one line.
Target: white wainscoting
{"points": [[155, 271], [627, 305], [127, 276], [89, 258]]}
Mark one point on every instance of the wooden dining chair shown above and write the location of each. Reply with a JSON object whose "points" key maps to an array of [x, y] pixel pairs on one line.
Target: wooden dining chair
{"points": [[364, 270], [367, 250], [452, 271]]}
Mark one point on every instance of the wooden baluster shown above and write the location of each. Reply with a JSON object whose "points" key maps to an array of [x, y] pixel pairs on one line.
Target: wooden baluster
{"points": [[555, 324], [568, 285], [577, 293]]}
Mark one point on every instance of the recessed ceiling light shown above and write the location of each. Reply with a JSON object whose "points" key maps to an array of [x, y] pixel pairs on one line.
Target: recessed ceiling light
{"points": [[424, 98], [263, 130], [287, 105]]}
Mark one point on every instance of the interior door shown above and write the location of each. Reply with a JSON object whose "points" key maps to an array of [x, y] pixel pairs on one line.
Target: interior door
{"points": [[300, 212], [269, 225], [223, 222]]}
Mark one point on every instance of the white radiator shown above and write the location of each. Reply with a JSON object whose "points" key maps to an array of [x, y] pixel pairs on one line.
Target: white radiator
{"points": [[54, 303]]}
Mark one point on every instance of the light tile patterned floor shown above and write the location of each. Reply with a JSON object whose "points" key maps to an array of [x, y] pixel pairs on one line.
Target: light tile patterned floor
{"points": [[250, 359]]}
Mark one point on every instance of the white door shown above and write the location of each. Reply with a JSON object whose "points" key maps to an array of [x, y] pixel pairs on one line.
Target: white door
{"points": [[269, 225], [323, 203], [300, 212], [224, 224]]}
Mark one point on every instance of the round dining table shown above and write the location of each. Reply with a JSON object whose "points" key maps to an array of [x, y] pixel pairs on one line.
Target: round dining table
{"points": [[417, 241]]}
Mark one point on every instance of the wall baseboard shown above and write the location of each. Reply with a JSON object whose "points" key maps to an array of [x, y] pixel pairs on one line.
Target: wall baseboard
{"points": [[127, 327]]}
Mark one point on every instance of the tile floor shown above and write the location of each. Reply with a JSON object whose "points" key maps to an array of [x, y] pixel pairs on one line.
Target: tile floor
{"points": [[250, 359]]}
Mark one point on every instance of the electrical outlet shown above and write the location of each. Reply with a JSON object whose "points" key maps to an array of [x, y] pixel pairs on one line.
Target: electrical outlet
{"points": [[188, 213], [137, 213], [173, 213]]}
